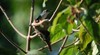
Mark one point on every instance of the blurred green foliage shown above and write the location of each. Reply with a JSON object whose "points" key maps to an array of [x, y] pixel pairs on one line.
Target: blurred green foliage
{"points": [[64, 21]]}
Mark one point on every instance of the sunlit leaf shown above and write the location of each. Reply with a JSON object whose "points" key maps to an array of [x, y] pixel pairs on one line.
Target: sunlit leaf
{"points": [[60, 25], [59, 33], [55, 23], [72, 50], [81, 33], [67, 10], [61, 18], [85, 38], [69, 28]]}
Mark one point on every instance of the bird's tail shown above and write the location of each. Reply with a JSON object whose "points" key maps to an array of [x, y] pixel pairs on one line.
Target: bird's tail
{"points": [[49, 46]]}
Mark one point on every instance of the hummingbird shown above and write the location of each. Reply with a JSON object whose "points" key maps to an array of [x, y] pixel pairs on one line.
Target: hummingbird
{"points": [[41, 24], [42, 16]]}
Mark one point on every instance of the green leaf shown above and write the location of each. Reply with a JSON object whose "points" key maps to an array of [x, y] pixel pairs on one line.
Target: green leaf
{"points": [[59, 33], [91, 24], [81, 33], [35, 52], [55, 23], [71, 50], [78, 3], [79, 53], [72, 2], [85, 38], [60, 25], [66, 12], [75, 3], [69, 28], [58, 36], [93, 29], [61, 19]]}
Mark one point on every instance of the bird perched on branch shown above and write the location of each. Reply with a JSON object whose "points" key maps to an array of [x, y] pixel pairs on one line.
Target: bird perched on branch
{"points": [[42, 24]]}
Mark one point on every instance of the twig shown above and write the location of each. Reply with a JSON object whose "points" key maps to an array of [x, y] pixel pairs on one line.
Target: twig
{"points": [[63, 44], [30, 27], [85, 28], [51, 44], [8, 19], [12, 43], [55, 10], [58, 40], [76, 40], [34, 35]]}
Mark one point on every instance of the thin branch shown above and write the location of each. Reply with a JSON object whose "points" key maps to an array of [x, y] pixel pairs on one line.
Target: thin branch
{"points": [[75, 30], [76, 40], [63, 44], [55, 10], [51, 44], [30, 27], [85, 28], [33, 36], [61, 48], [58, 40], [12, 43], [8, 19]]}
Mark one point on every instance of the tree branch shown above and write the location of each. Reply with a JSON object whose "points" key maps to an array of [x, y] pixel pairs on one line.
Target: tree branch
{"points": [[12, 43], [85, 28], [59, 39], [55, 10], [76, 40], [30, 27], [63, 44], [51, 44], [8, 19], [61, 48]]}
